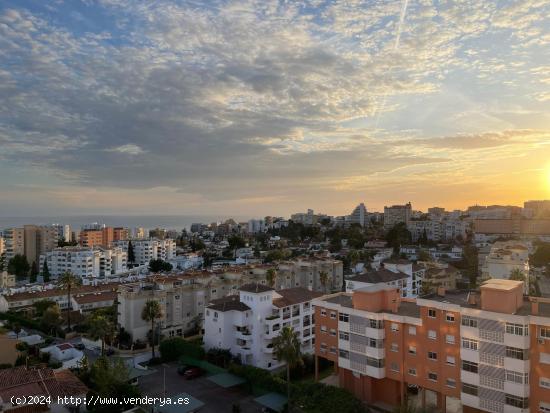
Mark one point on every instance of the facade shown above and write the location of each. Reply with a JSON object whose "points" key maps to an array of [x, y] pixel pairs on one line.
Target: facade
{"points": [[14, 239], [396, 214], [150, 249], [246, 324], [102, 236], [393, 279], [30, 241], [85, 262], [256, 225], [490, 350], [534, 209], [516, 226], [306, 273], [63, 232], [438, 230], [359, 215], [504, 258]]}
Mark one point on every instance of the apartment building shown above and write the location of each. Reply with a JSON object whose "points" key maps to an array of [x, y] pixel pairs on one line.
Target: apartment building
{"points": [[85, 262], [510, 227], [2, 245], [438, 230], [14, 239], [23, 301], [246, 324], [102, 236], [396, 214], [488, 350], [359, 215], [31, 241], [182, 297], [306, 273], [150, 249], [504, 258], [391, 278]]}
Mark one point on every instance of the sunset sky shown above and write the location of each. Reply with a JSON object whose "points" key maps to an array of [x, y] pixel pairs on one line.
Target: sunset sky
{"points": [[261, 107]]}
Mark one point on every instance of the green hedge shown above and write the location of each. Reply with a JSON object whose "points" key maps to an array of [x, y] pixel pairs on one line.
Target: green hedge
{"points": [[173, 348]]}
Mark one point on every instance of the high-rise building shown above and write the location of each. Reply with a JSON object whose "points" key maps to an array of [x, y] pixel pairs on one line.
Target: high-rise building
{"points": [[486, 350], [358, 215], [63, 232], [396, 214], [537, 209], [30, 241], [102, 236], [14, 242]]}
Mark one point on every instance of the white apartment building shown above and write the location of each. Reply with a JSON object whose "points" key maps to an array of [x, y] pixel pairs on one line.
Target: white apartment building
{"points": [[358, 215], [255, 226], [150, 249], [504, 258], [85, 262], [415, 274], [246, 324], [436, 230]]}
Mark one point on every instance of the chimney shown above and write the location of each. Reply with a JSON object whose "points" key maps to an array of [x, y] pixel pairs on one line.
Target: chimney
{"points": [[472, 298], [441, 291], [534, 307]]}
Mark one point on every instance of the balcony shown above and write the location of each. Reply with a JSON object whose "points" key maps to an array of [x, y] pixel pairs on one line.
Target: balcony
{"points": [[268, 349], [243, 335]]}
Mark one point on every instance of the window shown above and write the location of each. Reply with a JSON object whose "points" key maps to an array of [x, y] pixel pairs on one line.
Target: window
{"points": [[544, 382], [432, 335], [469, 366], [394, 327], [376, 323], [344, 336], [333, 350], [432, 376], [520, 378], [207, 312], [343, 317], [450, 317], [394, 347], [432, 313], [544, 407], [215, 314], [394, 367], [469, 321], [469, 344], [323, 312], [544, 332], [469, 389], [333, 332], [517, 353], [412, 371], [517, 329], [412, 331], [519, 402], [450, 339], [344, 354], [412, 350], [451, 383], [323, 329], [432, 355], [491, 382], [450, 360], [378, 363], [333, 315], [375, 343]]}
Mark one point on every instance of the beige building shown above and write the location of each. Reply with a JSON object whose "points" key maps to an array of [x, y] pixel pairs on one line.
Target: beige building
{"points": [[7, 280], [14, 242], [396, 214], [31, 241]]}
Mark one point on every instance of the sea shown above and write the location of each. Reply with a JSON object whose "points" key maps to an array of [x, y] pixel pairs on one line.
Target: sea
{"points": [[177, 222]]}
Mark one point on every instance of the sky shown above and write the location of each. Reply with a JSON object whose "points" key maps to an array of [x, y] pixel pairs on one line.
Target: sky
{"points": [[271, 107]]}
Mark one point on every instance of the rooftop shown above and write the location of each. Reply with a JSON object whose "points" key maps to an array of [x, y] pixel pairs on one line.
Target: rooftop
{"points": [[255, 288], [292, 296], [229, 303], [383, 275]]}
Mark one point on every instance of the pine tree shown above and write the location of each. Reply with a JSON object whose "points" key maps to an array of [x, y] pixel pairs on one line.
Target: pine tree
{"points": [[131, 256], [45, 272], [34, 272]]}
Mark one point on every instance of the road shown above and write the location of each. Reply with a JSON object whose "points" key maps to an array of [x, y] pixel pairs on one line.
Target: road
{"points": [[215, 398]]}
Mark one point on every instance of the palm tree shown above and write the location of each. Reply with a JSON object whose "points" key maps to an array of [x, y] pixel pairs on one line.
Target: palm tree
{"points": [[68, 281], [517, 275], [323, 277], [286, 347], [270, 277], [101, 328], [151, 312]]}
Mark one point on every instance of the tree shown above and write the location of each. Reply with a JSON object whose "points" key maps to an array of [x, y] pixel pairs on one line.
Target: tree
{"points": [[324, 278], [517, 275], [152, 312], [541, 257], [131, 254], [236, 242], [17, 329], [271, 276], [19, 266], [398, 235], [159, 265], [68, 281], [424, 255], [2, 262], [51, 319], [286, 347], [41, 306], [34, 272], [46, 272], [101, 328]]}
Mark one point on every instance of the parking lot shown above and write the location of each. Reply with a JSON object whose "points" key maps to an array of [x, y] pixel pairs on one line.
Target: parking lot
{"points": [[215, 398]]}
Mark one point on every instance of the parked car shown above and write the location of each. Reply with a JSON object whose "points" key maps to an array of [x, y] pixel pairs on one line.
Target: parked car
{"points": [[182, 369], [193, 373]]}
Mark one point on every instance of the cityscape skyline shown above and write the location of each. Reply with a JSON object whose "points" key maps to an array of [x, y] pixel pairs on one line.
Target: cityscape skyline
{"points": [[249, 107]]}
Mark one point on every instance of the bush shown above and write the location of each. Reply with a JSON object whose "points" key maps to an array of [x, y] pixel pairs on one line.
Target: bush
{"points": [[54, 364], [173, 348], [4, 366], [22, 346]]}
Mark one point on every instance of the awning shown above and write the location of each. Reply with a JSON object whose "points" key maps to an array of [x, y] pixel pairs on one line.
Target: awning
{"points": [[273, 401], [226, 380]]}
